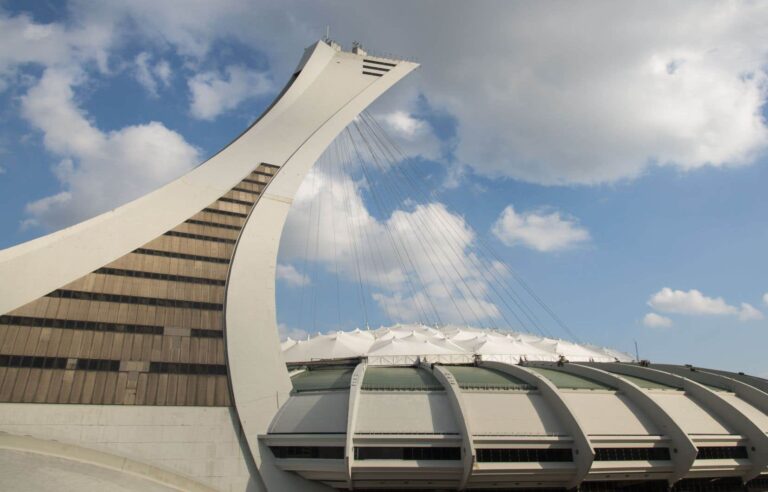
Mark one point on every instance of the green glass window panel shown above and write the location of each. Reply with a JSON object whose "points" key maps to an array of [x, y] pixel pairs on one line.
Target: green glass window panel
{"points": [[646, 383], [331, 378], [400, 379], [686, 372], [470, 377], [564, 380], [754, 381]]}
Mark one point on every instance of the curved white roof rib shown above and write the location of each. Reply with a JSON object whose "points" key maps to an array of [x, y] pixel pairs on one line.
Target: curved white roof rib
{"points": [[416, 340]]}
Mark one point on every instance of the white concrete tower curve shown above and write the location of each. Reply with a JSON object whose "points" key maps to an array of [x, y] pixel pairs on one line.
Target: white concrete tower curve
{"points": [[332, 88], [174, 269]]}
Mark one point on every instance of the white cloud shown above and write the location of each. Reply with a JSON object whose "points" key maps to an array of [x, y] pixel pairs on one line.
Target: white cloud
{"points": [[765, 298], [285, 332], [689, 302], [414, 136], [151, 75], [747, 312], [24, 41], [693, 302], [99, 170], [291, 276], [439, 270], [563, 93], [653, 320], [540, 230], [213, 94]]}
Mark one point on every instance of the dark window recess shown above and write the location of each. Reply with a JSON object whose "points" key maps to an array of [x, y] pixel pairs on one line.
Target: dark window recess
{"points": [[272, 166], [181, 256], [213, 224], [201, 237], [722, 453], [246, 180], [243, 190], [182, 368], [262, 173], [80, 325], [159, 276], [723, 484], [376, 69], [225, 212], [500, 455], [632, 454], [308, 452], [758, 484], [625, 486], [98, 365], [34, 362], [146, 301], [237, 202], [408, 454], [380, 63], [371, 73], [201, 333]]}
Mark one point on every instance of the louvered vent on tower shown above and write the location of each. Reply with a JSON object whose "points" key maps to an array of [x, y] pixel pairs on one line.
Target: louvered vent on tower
{"points": [[376, 68]]}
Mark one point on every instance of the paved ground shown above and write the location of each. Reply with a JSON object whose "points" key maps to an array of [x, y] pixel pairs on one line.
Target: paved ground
{"points": [[29, 472]]}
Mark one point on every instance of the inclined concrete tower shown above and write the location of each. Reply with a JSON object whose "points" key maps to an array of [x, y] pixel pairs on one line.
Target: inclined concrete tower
{"points": [[152, 326]]}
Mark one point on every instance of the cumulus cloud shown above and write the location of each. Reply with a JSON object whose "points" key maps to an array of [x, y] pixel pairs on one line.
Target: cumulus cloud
{"points": [[439, 272], [747, 312], [539, 230], [291, 276], [214, 93], [98, 170], [285, 332], [150, 75], [414, 136], [24, 41], [693, 302], [653, 320], [595, 94]]}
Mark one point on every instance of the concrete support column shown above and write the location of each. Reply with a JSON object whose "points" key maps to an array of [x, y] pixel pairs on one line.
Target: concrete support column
{"points": [[355, 386], [468, 454], [583, 453], [758, 449], [684, 452]]}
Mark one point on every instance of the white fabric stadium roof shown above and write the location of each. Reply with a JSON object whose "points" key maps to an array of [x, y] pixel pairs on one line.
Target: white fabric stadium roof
{"points": [[415, 340]]}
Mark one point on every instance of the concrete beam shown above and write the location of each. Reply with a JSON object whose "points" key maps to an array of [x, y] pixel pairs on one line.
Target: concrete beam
{"points": [[355, 386], [584, 453], [684, 452], [468, 453], [758, 449], [752, 395], [101, 459]]}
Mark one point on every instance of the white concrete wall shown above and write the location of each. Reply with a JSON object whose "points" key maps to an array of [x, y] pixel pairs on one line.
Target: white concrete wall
{"points": [[199, 442]]}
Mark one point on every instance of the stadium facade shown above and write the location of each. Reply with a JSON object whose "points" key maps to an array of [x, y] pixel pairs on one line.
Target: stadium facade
{"points": [[139, 351]]}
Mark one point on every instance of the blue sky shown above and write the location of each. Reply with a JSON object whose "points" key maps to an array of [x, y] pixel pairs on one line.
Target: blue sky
{"points": [[614, 157]]}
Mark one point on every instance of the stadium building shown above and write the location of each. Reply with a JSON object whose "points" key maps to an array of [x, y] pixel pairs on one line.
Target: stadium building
{"points": [[139, 351]]}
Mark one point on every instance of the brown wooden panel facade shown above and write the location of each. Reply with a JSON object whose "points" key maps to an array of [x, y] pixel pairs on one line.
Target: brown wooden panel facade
{"points": [[146, 329]]}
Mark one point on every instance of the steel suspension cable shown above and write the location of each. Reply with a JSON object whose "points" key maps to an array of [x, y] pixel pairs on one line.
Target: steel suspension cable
{"points": [[405, 252], [424, 225], [386, 141]]}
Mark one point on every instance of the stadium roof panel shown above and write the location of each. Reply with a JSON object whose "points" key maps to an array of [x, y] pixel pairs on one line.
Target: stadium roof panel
{"points": [[569, 381], [324, 378], [400, 379], [471, 377]]}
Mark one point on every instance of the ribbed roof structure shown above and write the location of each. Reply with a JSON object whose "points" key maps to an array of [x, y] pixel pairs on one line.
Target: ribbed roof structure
{"points": [[446, 344]]}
